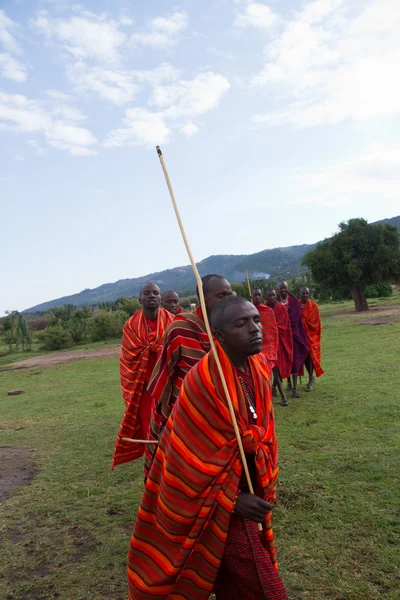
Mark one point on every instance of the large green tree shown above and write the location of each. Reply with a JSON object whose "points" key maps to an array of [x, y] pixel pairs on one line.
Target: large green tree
{"points": [[360, 254]]}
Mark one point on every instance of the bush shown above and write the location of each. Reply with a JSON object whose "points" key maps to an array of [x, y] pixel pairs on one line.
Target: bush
{"points": [[378, 290], [55, 338], [104, 325]]}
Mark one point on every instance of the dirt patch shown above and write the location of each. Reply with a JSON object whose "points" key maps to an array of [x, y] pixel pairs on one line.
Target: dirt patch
{"points": [[63, 357], [375, 311], [16, 470], [388, 320]]}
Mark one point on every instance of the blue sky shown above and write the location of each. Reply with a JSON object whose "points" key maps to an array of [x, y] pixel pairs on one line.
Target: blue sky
{"points": [[277, 120]]}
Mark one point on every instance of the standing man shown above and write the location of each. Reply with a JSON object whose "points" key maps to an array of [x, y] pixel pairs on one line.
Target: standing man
{"points": [[141, 346], [196, 529], [186, 342], [300, 346], [285, 348], [312, 325], [170, 301], [257, 297], [270, 335]]}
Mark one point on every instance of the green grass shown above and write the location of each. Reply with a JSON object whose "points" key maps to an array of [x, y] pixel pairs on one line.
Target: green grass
{"points": [[66, 535]]}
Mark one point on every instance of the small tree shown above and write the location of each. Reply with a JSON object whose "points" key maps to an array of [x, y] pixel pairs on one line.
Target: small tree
{"points": [[358, 256]]}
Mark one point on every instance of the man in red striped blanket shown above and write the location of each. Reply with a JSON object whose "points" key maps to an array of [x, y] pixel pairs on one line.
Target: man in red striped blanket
{"points": [[141, 346], [186, 342], [197, 526], [283, 366]]}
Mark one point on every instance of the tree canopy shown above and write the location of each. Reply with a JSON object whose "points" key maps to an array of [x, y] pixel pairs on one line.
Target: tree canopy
{"points": [[360, 255]]}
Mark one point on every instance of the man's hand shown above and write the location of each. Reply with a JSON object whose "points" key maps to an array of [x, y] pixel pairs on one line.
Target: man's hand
{"points": [[252, 507]]}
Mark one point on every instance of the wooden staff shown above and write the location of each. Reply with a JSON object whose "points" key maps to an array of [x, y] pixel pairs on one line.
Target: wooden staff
{"points": [[124, 439], [248, 284], [207, 324]]}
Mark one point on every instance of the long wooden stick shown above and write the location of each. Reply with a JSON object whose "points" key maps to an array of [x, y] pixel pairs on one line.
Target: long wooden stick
{"points": [[207, 324], [124, 439], [248, 284]]}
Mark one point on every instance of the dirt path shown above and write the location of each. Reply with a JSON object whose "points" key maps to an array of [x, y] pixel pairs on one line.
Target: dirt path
{"points": [[16, 469], [63, 357]]}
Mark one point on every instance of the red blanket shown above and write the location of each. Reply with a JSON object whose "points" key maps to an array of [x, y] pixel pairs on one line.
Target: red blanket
{"points": [[312, 324], [183, 520], [285, 350], [140, 346], [270, 334], [185, 343]]}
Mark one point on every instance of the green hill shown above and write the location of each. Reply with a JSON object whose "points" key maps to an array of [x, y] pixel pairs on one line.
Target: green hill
{"points": [[274, 263]]}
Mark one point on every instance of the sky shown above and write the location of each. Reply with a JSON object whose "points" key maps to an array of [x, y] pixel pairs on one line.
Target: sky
{"points": [[277, 121]]}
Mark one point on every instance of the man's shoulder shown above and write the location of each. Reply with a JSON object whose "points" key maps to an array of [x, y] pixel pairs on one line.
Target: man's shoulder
{"points": [[130, 323]]}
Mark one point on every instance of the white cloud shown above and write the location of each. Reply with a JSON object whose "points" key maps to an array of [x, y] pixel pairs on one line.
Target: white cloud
{"points": [[256, 15], [56, 95], [114, 86], [162, 31], [18, 113], [190, 129], [143, 128], [189, 98], [85, 36], [36, 148], [373, 174], [334, 62], [178, 102], [164, 72], [7, 38], [12, 68]]}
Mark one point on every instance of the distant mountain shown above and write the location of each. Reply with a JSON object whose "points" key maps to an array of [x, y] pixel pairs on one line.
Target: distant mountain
{"points": [[275, 263]]}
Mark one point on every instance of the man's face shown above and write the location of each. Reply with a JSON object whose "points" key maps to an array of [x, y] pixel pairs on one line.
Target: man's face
{"points": [[283, 290], [170, 301], [257, 297], [271, 298], [216, 290], [304, 294], [242, 331], [150, 296]]}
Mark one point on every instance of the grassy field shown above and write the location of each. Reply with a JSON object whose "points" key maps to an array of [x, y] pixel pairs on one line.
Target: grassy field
{"points": [[65, 536]]}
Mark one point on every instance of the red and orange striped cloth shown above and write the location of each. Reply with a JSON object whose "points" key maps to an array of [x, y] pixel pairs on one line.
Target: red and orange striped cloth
{"points": [[186, 342], [312, 324], [285, 350], [181, 529], [270, 334], [141, 346]]}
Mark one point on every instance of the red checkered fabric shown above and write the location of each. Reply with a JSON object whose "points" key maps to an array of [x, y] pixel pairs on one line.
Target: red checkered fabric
{"points": [[247, 572]]}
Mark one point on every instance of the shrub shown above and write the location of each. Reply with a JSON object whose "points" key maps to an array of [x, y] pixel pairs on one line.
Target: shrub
{"points": [[378, 290], [104, 325], [55, 338]]}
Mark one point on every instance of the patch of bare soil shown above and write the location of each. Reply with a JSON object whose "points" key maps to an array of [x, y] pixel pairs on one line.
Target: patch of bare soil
{"points": [[16, 470], [388, 320], [63, 357], [374, 311]]}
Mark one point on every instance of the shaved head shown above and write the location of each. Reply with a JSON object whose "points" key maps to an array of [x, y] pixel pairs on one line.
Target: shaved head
{"points": [[170, 301], [215, 287]]}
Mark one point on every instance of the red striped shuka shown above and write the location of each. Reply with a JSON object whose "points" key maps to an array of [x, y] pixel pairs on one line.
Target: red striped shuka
{"points": [[312, 324], [270, 334], [285, 349], [181, 529], [186, 342], [141, 346]]}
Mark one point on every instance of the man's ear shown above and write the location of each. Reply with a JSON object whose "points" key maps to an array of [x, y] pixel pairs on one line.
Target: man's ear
{"points": [[219, 335], [140, 300]]}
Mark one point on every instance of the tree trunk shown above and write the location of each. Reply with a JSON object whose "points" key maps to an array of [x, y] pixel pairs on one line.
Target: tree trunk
{"points": [[360, 300]]}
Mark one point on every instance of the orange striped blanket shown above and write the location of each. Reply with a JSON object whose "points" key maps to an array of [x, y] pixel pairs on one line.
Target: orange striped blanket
{"points": [[140, 346], [186, 342], [181, 528], [312, 324]]}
